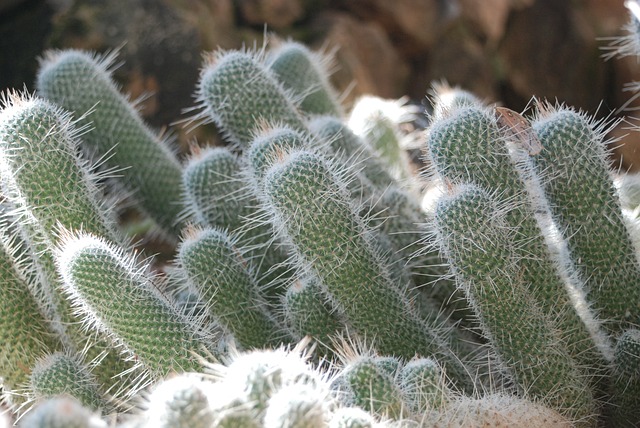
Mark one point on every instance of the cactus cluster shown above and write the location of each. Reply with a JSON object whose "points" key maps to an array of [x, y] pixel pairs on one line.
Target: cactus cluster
{"points": [[308, 285]]}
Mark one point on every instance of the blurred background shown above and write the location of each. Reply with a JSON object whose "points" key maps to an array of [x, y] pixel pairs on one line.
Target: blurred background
{"points": [[504, 51]]}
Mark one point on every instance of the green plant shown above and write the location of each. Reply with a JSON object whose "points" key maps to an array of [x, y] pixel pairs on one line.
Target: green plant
{"points": [[304, 232]]}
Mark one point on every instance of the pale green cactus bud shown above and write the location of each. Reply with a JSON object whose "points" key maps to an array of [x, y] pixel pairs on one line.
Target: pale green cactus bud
{"points": [[305, 73], [62, 373]]}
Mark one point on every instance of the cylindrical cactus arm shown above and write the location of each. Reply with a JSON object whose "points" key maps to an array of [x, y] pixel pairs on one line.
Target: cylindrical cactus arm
{"points": [[239, 93], [215, 267], [309, 312], [50, 186], [626, 379], [217, 194], [305, 74], [25, 333], [42, 169], [62, 373], [468, 146], [477, 240], [311, 208], [586, 207], [118, 295], [81, 83]]}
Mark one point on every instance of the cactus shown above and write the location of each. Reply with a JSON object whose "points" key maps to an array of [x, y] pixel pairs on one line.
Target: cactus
{"points": [[118, 295], [305, 74], [626, 379], [314, 213], [298, 203], [180, 402], [351, 417], [60, 374], [373, 388], [214, 266], [299, 405], [468, 147], [25, 333], [81, 83], [377, 121], [62, 412], [51, 187], [310, 313], [575, 175], [494, 411], [423, 384], [216, 195], [238, 93], [490, 273]]}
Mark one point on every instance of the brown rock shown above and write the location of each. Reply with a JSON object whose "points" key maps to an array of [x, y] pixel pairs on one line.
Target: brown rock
{"points": [[413, 24], [461, 61], [488, 17], [550, 52], [160, 50], [366, 61], [275, 13]]}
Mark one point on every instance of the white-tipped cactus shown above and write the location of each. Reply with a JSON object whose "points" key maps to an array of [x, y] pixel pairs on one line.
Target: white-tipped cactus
{"points": [[239, 93], [527, 341], [61, 373], [305, 73], [81, 83], [180, 402], [120, 296], [584, 202]]}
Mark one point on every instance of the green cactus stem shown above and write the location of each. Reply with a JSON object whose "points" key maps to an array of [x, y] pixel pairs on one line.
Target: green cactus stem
{"points": [[81, 83], [489, 271], [585, 205], [118, 295], [304, 73], [468, 147], [213, 264], [239, 93], [311, 208]]}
